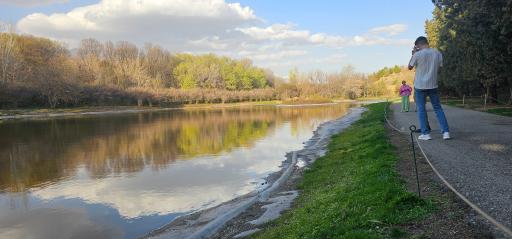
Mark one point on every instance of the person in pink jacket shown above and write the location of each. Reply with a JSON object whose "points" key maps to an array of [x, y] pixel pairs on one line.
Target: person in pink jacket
{"points": [[405, 92]]}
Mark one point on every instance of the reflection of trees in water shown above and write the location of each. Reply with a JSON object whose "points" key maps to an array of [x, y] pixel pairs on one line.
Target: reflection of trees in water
{"points": [[39, 152]]}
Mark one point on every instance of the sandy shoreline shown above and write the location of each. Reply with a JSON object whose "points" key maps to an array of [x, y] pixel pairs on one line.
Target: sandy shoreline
{"points": [[78, 112], [243, 215]]}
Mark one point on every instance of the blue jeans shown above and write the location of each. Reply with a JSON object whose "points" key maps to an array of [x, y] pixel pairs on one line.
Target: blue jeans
{"points": [[420, 96]]}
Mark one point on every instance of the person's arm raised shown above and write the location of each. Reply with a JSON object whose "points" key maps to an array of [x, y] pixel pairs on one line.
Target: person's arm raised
{"points": [[412, 62]]}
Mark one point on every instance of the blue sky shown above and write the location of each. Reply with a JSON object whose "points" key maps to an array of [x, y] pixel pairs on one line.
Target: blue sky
{"points": [[279, 35], [346, 17]]}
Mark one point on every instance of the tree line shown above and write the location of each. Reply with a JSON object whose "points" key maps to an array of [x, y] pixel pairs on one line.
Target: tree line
{"points": [[36, 71], [475, 39], [321, 85], [39, 72]]}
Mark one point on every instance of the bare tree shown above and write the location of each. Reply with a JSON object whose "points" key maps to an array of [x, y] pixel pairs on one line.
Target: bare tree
{"points": [[90, 47], [158, 64], [317, 77], [125, 63], [7, 50], [109, 51], [90, 53]]}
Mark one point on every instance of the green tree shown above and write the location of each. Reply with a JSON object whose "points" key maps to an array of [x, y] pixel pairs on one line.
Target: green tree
{"points": [[474, 39]]}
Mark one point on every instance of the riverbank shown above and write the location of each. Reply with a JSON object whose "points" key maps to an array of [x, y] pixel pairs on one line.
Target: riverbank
{"points": [[232, 218], [353, 191], [362, 188], [7, 114], [100, 110]]}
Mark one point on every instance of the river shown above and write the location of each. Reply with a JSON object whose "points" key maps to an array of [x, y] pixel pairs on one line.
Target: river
{"points": [[123, 175]]}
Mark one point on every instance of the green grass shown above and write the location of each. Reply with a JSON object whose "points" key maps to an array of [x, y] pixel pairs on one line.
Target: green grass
{"points": [[477, 104], [501, 111], [353, 191]]}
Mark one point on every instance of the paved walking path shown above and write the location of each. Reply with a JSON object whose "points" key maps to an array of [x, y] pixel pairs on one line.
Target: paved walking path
{"points": [[477, 161]]}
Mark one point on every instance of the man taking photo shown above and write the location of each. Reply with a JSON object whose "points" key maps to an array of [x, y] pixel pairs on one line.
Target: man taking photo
{"points": [[427, 62]]}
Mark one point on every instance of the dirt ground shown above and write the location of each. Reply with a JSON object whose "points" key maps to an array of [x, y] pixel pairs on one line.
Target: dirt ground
{"points": [[239, 224], [452, 219]]}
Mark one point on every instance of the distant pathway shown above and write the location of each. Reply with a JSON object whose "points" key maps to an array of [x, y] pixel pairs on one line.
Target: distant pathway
{"points": [[477, 161]]}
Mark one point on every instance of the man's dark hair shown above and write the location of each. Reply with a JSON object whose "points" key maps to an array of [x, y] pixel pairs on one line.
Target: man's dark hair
{"points": [[421, 40]]}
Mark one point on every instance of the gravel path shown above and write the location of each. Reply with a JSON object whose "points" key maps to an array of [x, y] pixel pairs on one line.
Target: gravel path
{"points": [[477, 161]]}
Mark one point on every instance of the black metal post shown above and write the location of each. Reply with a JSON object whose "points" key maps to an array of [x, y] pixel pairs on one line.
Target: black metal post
{"points": [[412, 128]]}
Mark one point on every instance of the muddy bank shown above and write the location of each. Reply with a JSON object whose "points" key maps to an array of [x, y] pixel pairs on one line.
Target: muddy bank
{"points": [[243, 215]]}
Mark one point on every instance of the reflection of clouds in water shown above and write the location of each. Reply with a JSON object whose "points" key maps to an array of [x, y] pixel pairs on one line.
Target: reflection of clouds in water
{"points": [[131, 200], [276, 149], [187, 185], [125, 171], [53, 223], [115, 145]]}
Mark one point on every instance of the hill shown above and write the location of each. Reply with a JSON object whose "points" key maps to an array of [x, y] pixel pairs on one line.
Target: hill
{"points": [[386, 82]]}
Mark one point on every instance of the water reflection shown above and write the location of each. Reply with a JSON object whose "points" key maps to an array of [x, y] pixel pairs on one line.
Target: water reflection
{"points": [[136, 172]]}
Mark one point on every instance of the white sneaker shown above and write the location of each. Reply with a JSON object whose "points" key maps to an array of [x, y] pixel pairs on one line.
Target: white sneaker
{"points": [[446, 136], [425, 137]]}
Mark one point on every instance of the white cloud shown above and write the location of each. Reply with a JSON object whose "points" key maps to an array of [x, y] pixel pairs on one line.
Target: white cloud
{"points": [[390, 30], [289, 33], [171, 23], [276, 32], [201, 26], [310, 63], [366, 40], [277, 55], [31, 3], [328, 40], [211, 43]]}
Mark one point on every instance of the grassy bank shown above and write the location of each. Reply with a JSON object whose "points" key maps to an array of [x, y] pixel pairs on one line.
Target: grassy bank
{"points": [[478, 104], [354, 191], [501, 111]]}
